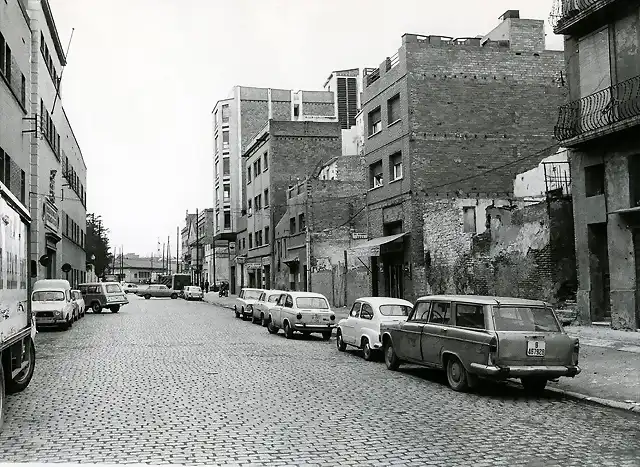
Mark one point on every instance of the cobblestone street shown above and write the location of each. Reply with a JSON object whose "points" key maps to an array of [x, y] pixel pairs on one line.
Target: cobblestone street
{"points": [[187, 383]]}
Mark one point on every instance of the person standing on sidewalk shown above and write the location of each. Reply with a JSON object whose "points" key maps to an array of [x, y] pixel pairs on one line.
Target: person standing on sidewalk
{"points": [[206, 286]]}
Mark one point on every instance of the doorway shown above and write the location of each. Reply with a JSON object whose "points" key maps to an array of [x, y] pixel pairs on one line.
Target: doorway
{"points": [[267, 277], [51, 265], [636, 251], [599, 272], [394, 280]]}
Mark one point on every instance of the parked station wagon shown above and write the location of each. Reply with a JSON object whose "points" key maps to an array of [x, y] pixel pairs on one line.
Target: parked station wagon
{"points": [[304, 312], [488, 337], [100, 295]]}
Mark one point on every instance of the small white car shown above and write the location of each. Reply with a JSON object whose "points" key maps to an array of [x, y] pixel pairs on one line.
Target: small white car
{"points": [[77, 297], [263, 305], [129, 288], [361, 328], [304, 312], [193, 292], [247, 298]]}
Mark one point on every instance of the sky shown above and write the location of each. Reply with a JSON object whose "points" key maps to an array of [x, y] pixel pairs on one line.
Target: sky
{"points": [[143, 76]]}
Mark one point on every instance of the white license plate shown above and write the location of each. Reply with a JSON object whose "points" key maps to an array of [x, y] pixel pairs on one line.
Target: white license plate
{"points": [[536, 348]]}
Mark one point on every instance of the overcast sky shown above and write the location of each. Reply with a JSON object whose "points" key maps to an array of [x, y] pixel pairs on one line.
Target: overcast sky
{"points": [[143, 76]]}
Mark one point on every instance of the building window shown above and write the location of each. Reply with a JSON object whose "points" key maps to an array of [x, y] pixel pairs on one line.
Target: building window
{"points": [[23, 187], [266, 161], [258, 202], [267, 239], [375, 121], [249, 209], [244, 243], [226, 167], [226, 192], [395, 164], [216, 170], [248, 175], [227, 220], [266, 197], [225, 140], [215, 145], [250, 240], [292, 226], [7, 171], [256, 168], [225, 113], [259, 238], [594, 180], [2, 48], [301, 222], [393, 109], [469, 219], [375, 175], [6, 69], [23, 91]]}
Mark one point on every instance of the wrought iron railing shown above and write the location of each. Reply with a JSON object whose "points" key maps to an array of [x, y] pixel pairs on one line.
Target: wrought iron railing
{"points": [[372, 75], [599, 110]]}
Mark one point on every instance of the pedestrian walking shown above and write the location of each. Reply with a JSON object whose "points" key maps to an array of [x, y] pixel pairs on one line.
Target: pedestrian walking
{"points": [[206, 286]]}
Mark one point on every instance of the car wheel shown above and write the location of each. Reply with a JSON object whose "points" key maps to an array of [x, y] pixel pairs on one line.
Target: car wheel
{"points": [[456, 374], [390, 357], [68, 324], [271, 328], [288, 332], [367, 351], [339, 342], [326, 335], [254, 320], [115, 308], [147, 297], [20, 382], [96, 307], [235, 308], [263, 321], [534, 386], [174, 296]]}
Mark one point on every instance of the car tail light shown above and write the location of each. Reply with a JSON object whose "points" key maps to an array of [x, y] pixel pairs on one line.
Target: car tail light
{"points": [[493, 350], [299, 316], [333, 317]]}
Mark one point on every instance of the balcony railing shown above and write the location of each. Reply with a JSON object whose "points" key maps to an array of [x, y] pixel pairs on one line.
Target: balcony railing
{"points": [[565, 11], [599, 110]]}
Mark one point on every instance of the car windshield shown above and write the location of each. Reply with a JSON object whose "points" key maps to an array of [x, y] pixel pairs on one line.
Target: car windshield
{"points": [[274, 298], [315, 303], [48, 296], [395, 310], [113, 288], [252, 294], [525, 319]]}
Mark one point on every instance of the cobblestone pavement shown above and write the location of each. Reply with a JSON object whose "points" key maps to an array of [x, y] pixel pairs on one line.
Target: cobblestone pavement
{"points": [[169, 381]]}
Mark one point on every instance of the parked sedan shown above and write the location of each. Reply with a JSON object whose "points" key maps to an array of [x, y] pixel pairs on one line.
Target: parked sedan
{"points": [[490, 337], [157, 291], [263, 306], [193, 292], [247, 298], [77, 297], [361, 328], [304, 312]]}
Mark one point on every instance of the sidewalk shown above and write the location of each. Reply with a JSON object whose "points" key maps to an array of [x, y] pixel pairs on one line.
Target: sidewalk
{"points": [[610, 362]]}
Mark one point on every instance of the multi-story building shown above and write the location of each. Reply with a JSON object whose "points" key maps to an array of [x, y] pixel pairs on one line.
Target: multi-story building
{"points": [[281, 155], [236, 121], [450, 117], [346, 86], [187, 236], [599, 125], [58, 172]]}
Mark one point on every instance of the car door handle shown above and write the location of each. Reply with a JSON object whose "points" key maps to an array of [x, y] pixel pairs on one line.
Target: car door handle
{"points": [[444, 331]]}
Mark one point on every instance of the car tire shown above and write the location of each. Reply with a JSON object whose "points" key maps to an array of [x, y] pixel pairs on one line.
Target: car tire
{"points": [[339, 342], [390, 358], [96, 307], [534, 386], [20, 382], [68, 324], [271, 328], [235, 308], [115, 308], [288, 332], [147, 297], [264, 321], [457, 375], [326, 335], [367, 351], [174, 296]]}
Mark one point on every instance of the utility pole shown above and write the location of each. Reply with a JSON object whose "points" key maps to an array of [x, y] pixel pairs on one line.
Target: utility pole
{"points": [[197, 275], [121, 262], [168, 256], [177, 254], [151, 273], [163, 268]]}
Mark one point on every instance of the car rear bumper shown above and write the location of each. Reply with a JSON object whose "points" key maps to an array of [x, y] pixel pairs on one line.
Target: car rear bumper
{"points": [[524, 371], [108, 304], [313, 327]]}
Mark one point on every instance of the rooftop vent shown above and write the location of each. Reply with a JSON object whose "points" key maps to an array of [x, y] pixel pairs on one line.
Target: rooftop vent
{"points": [[510, 14]]}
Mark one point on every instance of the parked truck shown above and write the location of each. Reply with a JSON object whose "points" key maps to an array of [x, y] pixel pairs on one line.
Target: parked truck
{"points": [[17, 325]]}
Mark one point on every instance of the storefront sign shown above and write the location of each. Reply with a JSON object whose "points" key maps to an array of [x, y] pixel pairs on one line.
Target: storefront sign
{"points": [[50, 216]]}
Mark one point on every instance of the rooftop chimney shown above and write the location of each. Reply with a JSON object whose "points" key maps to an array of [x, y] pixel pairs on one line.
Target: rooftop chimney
{"points": [[510, 14]]}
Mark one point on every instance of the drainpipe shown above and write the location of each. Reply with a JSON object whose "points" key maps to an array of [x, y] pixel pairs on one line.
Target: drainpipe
{"points": [[308, 234]]}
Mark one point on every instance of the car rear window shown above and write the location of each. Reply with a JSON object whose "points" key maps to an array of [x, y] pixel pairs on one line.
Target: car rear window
{"points": [[196, 289], [48, 296], [528, 319], [315, 303], [252, 294], [113, 288], [274, 298], [395, 310]]}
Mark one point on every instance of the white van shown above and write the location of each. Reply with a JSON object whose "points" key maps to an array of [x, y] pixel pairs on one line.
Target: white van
{"points": [[52, 303]]}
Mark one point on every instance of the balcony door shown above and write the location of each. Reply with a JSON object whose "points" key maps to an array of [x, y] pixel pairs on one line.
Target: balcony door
{"points": [[596, 109]]}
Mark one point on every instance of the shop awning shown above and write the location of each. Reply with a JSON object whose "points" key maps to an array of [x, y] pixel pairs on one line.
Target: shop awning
{"points": [[372, 247], [291, 260]]}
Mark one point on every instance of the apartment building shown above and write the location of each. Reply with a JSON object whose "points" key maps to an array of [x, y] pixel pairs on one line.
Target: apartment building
{"points": [[281, 155], [599, 125], [442, 118]]}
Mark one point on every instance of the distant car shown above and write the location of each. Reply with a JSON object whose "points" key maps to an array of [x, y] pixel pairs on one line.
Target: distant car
{"points": [[157, 291], [247, 298], [361, 328], [193, 292], [100, 295], [129, 288], [488, 337], [76, 295], [304, 312], [263, 305]]}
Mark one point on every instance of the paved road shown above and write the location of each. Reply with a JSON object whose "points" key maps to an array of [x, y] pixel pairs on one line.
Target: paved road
{"points": [[171, 381]]}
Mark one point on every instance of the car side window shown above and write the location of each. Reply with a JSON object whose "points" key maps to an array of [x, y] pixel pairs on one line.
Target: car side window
{"points": [[288, 302], [440, 313], [241, 294], [93, 289], [262, 297], [355, 310], [366, 312], [470, 316], [83, 290], [420, 311]]}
